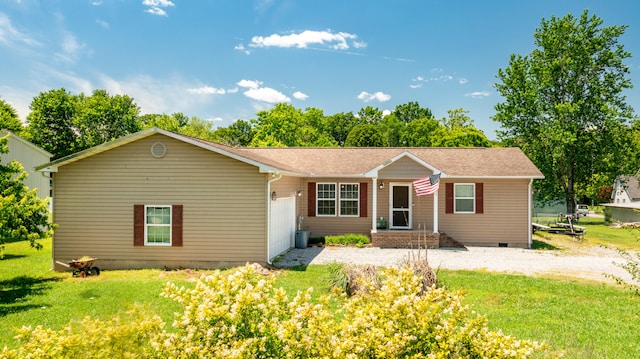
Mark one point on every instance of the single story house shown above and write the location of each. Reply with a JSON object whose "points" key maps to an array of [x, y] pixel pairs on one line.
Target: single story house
{"points": [[30, 156], [160, 199]]}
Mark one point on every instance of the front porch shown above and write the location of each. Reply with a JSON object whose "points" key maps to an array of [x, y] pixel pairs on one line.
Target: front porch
{"points": [[411, 239]]}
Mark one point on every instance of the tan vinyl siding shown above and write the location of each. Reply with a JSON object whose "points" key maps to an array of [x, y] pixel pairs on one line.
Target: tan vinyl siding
{"points": [[404, 168], [505, 217], [224, 218], [320, 226]]}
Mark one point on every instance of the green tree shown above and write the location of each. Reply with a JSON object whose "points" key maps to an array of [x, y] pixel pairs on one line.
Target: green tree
{"points": [[23, 215], [50, 124], [101, 118], [366, 135], [564, 104], [9, 119], [285, 125], [411, 111], [239, 133], [339, 125], [421, 132], [371, 115]]}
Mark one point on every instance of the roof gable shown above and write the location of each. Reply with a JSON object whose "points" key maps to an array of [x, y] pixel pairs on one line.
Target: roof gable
{"points": [[352, 162]]}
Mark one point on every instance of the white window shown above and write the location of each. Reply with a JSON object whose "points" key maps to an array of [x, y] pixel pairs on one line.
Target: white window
{"points": [[464, 198], [157, 227], [349, 199], [326, 199]]}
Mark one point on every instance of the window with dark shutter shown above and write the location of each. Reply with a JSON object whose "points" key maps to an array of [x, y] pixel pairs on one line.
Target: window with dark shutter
{"points": [[311, 199], [363, 199], [138, 225], [176, 225], [449, 198], [479, 198]]}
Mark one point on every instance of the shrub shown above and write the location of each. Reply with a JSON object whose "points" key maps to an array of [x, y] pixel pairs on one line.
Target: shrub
{"points": [[239, 314], [90, 338], [632, 266], [348, 239]]}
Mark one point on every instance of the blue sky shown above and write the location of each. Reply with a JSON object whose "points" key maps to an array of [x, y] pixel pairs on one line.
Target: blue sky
{"points": [[226, 60]]}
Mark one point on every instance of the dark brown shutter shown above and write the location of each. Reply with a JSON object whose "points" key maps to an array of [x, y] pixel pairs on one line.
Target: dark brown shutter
{"points": [[479, 197], [449, 198], [363, 199], [176, 225], [311, 199], [138, 224]]}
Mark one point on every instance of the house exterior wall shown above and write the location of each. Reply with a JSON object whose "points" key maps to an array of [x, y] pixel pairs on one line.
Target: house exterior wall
{"points": [[224, 201], [320, 226], [30, 156], [625, 214], [505, 218]]}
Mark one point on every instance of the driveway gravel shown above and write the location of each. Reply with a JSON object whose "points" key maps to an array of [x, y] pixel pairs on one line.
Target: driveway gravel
{"points": [[591, 263]]}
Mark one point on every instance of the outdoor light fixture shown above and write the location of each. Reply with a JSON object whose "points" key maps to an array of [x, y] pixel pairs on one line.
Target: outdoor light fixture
{"points": [[299, 193], [381, 186], [273, 195]]}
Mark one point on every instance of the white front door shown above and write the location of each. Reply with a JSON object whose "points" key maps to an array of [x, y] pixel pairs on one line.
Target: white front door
{"points": [[400, 205]]}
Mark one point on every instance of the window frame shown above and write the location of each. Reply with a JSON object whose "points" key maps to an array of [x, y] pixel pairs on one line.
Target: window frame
{"points": [[356, 200], [147, 225], [456, 198], [334, 199], [338, 199]]}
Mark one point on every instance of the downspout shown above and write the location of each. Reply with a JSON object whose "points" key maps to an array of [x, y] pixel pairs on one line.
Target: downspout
{"points": [[529, 210], [374, 225], [274, 177]]}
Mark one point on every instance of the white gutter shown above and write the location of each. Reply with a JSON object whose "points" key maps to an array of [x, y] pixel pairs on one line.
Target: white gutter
{"points": [[275, 177]]}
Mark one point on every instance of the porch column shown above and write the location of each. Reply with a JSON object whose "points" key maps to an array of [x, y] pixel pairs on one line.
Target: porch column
{"points": [[435, 211], [374, 209]]}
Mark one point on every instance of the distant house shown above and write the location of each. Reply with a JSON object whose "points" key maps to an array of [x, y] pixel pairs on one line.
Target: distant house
{"points": [[160, 199], [30, 156], [625, 199]]}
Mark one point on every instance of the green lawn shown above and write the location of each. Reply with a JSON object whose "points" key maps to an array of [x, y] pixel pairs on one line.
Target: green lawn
{"points": [[586, 320]]}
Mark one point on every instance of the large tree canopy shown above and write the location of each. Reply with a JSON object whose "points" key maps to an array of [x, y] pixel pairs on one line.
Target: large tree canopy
{"points": [[564, 105], [9, 118], [63, 123]]}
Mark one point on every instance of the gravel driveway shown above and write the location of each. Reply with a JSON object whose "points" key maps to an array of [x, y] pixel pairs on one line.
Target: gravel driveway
{"points": [[584, 263]]}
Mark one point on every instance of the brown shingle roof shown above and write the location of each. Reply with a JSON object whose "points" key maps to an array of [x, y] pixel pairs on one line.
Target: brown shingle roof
{"points": [[454, 162]]}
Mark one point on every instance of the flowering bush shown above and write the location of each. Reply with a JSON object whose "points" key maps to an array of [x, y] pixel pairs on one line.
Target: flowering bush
{"points": [[90, 338], [239, 314]]}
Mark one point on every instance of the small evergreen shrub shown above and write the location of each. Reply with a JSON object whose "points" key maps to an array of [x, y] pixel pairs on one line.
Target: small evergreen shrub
{"points": [[359, 240]]}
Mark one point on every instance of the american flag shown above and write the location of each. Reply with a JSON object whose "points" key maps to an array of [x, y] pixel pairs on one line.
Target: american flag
{"points": [[426, 186]]}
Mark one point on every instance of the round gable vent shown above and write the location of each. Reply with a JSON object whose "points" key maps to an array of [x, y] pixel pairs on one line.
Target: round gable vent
{"points": [[158, 150]]}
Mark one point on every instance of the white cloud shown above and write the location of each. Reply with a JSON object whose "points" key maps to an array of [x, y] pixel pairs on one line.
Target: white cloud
{"points": [[240, 47], [334, 41], [266, 94], [478, 94], [71, 48], [215, 119], [300, 96], [462, 81], [102, 23], [378, 96], [207, 90], [155, 6], [9, 34], [386, 113], [249, 84]]}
